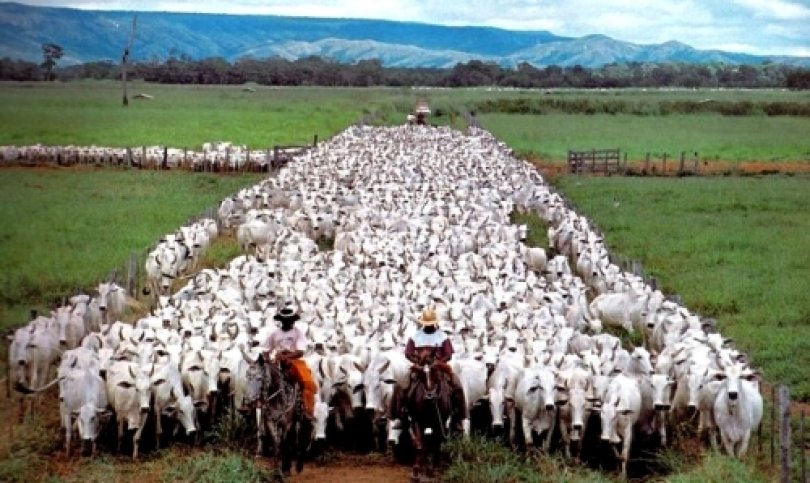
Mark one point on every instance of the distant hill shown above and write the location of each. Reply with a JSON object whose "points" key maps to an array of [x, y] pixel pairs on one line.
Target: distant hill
{"points": [[101, 35]]}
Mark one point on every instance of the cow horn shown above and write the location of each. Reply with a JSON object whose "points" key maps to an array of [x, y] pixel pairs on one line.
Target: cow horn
{"points": [[131, 373]]}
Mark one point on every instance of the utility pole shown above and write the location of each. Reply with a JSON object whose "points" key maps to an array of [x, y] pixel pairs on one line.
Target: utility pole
{"points": [[125, 59]]}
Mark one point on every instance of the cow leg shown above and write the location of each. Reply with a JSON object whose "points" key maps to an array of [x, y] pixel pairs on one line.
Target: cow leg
{"points": [[136, 439], [121, 422], [627, 439], [68, 433], [566, 439], [158, 427], [744, 444], [527, 431], [550, 433], [259, 432]]}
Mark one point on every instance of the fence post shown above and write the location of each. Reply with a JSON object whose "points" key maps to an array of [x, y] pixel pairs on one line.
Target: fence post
{"points": [[773, 425], [647, 163], [784, 433], [803, 442], [664, 165], [697, 164], [315, 141], [683, 161]]}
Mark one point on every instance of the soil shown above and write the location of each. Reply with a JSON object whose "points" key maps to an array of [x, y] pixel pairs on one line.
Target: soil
{"points": [[342, 471]]}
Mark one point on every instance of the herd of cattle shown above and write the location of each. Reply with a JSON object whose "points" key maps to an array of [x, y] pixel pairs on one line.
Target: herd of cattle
{"points": [[223, 156], [419, 217]]}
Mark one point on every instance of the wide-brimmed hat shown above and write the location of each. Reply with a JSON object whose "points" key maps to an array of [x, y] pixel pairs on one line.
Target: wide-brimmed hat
{"points": [[286, 314], [429, 318]]}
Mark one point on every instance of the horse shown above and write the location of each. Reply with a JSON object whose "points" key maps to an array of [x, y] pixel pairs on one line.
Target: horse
{"points": [[279, 409], [429, 407]]}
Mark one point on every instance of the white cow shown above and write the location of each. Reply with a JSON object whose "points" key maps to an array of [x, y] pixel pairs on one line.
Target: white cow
{"points": [[83, 398], [737, 408], [619, 413], [534, 398], [625, 309], [168, 398], [128, 390], [112, 299]]}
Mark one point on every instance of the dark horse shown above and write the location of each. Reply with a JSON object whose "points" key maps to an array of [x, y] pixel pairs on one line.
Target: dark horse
{"points": [[279, 407], [429, 407]]}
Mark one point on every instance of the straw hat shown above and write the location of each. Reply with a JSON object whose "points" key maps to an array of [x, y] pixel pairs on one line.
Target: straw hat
{"points": [[429, 318], [286, 314]]}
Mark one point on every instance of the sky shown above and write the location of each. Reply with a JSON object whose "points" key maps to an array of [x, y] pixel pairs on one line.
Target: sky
{"points": [[761, 27]]}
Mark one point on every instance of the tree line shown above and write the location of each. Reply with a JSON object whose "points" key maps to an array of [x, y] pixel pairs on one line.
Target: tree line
{"points": [[319, 71]]}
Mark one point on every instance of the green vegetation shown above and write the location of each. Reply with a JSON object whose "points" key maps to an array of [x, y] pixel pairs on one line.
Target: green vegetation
{"points": [[714, 137], [480, 460], [212, 468], [90, 113], [62, 230], [732, 247]]}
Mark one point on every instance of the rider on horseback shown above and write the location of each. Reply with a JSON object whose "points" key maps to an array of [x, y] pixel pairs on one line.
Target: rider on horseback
{"points": [[290, 342], [434, 342]]}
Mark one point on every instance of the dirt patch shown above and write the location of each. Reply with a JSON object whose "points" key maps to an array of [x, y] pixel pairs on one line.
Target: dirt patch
{"points": [[348, 472]]}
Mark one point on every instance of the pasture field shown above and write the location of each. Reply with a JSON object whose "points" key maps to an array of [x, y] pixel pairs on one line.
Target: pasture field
{"points": [[735, 248], [64, 229], [714, 137], [87, 113], [90, 112]]}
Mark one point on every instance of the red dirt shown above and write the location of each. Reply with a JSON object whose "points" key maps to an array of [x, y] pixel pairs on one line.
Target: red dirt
{"points": [[339, 472]]}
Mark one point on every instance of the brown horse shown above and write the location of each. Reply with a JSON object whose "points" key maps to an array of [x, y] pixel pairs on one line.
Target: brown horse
{"points": [[429, 408], [280, 413]]}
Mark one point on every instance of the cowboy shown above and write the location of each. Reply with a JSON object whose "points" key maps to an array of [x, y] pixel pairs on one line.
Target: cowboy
{"points": [[290, 342], [434, 343]]}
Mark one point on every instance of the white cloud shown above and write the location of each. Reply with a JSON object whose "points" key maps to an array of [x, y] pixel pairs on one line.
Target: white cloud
{"points": [[758, 26], [776, 9]]}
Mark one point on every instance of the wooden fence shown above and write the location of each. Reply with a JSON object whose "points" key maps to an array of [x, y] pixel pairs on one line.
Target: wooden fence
{"points": [[665, 165], [604, 161]]}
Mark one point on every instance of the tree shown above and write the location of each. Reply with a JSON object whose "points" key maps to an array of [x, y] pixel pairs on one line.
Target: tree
{"points": [[51, 53]]}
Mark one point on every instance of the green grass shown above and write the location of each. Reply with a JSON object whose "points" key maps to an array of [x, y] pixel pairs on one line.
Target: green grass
{"points": [[87, 113], [734, 248], [480, 460], [212, 468], [61, 230], [714, 137]]}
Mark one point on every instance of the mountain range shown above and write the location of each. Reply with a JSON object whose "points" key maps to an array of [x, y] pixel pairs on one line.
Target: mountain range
{"points": [[91, 35]]}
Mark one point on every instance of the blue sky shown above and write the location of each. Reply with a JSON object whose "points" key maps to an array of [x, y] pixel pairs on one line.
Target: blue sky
{"points": [[777, 27]]}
